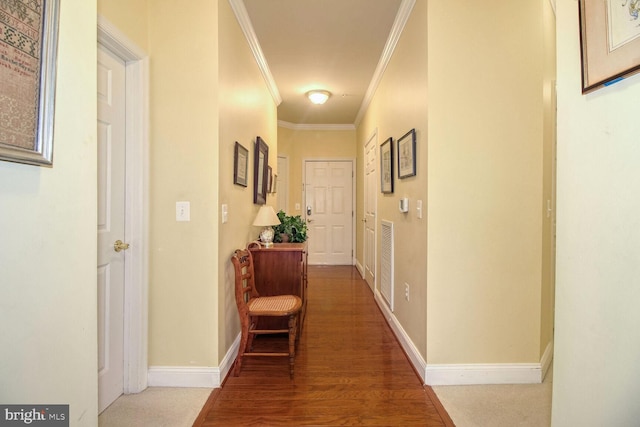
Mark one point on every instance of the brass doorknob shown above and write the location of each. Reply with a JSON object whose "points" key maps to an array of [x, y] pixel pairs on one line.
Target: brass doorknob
{"points": [[120, 246]]}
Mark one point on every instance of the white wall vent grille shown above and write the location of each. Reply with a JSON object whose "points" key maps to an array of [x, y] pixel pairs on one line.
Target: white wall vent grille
{"points": [[386, 263]]}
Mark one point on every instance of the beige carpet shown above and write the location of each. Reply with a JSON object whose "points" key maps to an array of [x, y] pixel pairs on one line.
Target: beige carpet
{"points": [[521, 405], [156, 407]]}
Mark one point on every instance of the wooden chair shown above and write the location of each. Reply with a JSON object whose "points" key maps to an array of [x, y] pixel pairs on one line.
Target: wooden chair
{"points": [[251, 306]]}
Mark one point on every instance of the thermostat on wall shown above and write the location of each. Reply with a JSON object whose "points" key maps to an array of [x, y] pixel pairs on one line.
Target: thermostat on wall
{"points": [[404, 205]]}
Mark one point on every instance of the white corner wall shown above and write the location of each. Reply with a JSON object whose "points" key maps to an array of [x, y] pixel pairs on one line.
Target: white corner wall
{"points": [[48, 308], [596, 373]]}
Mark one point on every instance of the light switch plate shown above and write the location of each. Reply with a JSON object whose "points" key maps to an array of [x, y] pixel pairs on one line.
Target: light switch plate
{"points": [[183, 211], [225, 213]]}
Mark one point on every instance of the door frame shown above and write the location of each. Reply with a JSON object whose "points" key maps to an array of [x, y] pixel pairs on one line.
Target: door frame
{"points": [[353, 195], [136, 286], [373, 139]]}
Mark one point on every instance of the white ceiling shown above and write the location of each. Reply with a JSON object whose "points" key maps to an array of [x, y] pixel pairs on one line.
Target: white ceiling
{"points": [[337, 45]]}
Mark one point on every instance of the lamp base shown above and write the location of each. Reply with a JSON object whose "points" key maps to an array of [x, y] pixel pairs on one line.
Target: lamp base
{"points": [[266, 237]]}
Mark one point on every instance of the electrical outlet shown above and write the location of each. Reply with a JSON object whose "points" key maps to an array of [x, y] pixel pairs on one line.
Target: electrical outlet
{"points": [[406, 291]]}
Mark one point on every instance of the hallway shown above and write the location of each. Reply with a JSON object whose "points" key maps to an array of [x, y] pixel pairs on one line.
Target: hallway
{"points": [[350, 369]]}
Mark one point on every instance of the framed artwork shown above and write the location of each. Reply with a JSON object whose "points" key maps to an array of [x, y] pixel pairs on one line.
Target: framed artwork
{"points": [[260, 171], [274, 188], [269, 179], [240, 164], [610, 41], [28, 49], [386, 166], [407, 154]]}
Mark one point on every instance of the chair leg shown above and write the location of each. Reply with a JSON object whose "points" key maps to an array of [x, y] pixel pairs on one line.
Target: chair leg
{"points": [[244, 337], [293, 323], [252, 325]]}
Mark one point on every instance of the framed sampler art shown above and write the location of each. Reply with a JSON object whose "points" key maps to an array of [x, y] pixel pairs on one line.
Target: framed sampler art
{"points": [[28, 48]]}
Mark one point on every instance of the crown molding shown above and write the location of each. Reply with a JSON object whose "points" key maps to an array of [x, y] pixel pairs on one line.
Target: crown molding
{"points": [[247, 28], [402, 17], [295, 126], [396, 31]]}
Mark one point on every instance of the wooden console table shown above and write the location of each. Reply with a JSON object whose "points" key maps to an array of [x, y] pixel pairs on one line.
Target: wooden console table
{"points": [[281, 270]]}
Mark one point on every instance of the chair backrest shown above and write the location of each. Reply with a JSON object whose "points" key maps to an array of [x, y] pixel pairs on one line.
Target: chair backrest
{"points": [[245, 285]]}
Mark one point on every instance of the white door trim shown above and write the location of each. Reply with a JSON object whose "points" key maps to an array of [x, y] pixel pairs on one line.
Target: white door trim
{"points": [[136, 203]]}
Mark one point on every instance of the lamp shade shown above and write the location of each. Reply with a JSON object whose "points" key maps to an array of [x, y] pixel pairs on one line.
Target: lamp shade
{"points": [[266, 217]]}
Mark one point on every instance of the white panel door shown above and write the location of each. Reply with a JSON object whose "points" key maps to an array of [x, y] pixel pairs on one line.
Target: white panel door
{"points": [[329, 211], [370, 191], [111, 227]]}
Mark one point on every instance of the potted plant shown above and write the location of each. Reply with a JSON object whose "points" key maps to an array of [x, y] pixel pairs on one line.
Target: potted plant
{"points": [[291, 229]]}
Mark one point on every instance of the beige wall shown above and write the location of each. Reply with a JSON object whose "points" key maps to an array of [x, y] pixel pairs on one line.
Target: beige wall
{"points": [[299, 145], [130, 17], [485, 182], [48, 244], [204, 97], [596, 377], [183, 167], [400, 104], [247, 110], [477, 104]]}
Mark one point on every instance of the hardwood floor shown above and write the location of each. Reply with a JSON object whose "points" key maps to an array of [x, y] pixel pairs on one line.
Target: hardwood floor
{"points": [[349, 369]]}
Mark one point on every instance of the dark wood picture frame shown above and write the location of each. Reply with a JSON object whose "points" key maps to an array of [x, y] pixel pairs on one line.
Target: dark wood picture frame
{"points": [[30, 44], [609, 41], [407, 154], [240, 164], [269, 179], [260, 171], [386, 166]]}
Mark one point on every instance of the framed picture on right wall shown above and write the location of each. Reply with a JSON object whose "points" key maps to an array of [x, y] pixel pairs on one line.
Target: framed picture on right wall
{"points": [[610, 41], [386, 166], [407, 154]]}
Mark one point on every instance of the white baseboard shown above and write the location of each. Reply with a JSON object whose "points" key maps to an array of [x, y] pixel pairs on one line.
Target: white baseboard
{"points": [[193, 376], [497, 373], [467, 374], [454, 374], [184, 376], [410, 349], [360, 268]]}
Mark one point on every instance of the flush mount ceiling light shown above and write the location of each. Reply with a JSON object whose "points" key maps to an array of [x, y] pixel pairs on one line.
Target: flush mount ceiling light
{"points": [[318, 96]]}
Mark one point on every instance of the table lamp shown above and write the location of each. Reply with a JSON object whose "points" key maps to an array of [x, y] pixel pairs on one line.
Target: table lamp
{"points": [[266, 217]]}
